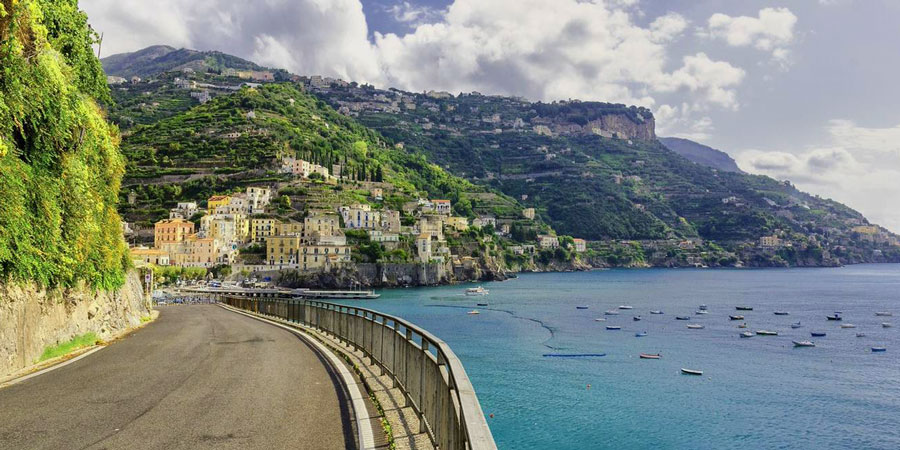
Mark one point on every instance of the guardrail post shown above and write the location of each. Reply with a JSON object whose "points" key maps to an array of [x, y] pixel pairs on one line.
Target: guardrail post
{"points": [[422, 385]]}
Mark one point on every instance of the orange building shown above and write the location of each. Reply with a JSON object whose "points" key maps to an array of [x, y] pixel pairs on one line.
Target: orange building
{"points": [[171, 231]]}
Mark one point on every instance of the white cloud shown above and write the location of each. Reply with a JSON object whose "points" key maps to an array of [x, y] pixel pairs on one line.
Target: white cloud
{"points": [[771, 31], [858, 166], [410, 13]]}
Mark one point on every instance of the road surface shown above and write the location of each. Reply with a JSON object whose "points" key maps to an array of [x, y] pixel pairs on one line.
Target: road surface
{"points": [[197, 377]]}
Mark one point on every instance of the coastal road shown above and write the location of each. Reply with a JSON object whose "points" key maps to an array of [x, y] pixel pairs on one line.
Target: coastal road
{"points": [[198, 377]]}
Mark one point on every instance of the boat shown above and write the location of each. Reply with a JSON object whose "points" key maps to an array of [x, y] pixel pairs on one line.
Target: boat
{"points": [[476, 291], [848, 325], [599, 319], [879, 349], [767, 333], [481, 304], [573, 355], [737, 317], [650, 356], [834, 316], [781, 313], [695, 326], [817, 334], [655, 311], [625, 307], [682, 317], [860, 334], [613, 327], [886, 325], [804, 343], [796, 325], [473, 312], [884, 314], [747, 334], [691, 371], [581, 307], [636, 318], [702, 307], [611, 313], [640, 334], [743, 325], [700, 312], [744, 308]]}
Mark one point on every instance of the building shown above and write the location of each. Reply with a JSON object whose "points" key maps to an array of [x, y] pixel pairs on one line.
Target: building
{"points": [[322, 224], [302, 168], [282, 250], [262, 228], [528, 213], [390, 220], [770, 241], [423, 247], [383, 236], [865, 229], [548, 241], [216, 201], [441, 206], [483, 221], [432, 226], [171, 231], [290, 228], [202, 252], [580, 245], [184, 210], [360, 217], [257, 199], [324, 256], [457, 223], [150, 256], [377, 193]]}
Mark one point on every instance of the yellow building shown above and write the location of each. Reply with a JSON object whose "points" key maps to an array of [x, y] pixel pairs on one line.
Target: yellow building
{"points": [[289, 228], [260, 229], [171, 231], [323, 224], [149, 256], [216, 201], [528, 213], [457, 223], [321, 256], [281, 249]]}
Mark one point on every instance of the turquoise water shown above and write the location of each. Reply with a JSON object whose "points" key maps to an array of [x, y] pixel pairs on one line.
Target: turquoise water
{"points": [[759, 392]]}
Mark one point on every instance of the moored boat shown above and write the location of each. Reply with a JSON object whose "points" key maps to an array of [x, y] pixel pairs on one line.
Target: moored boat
{"points": [[804, 343], [796, 325], [655, 311], [781, 313], [599, 319], [636, 318], [581, 307], [744, 308], [650, 356], [473, 312], [481, 304], [682, 317], [613, 327], [691, 371], [702, 308], [848, 325], [747, 334], [767, 333], [476, 291], [879, 349], [743, 325], [700, 312], [835, 316], [860, 334], [640, 334], [625, 307], [886, 325], [611, 313], [884, 313], [817, 334], [737, 317], [695, 326]]}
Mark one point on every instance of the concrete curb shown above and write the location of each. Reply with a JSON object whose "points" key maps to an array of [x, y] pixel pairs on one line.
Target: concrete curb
{"points": [[364, 424]]}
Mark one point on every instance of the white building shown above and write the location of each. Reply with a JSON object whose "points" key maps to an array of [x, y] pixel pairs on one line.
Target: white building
{"points": [[360, 217]]}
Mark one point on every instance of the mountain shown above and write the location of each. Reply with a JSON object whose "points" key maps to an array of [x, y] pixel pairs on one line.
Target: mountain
{"points": [[162, 58], [701, 154]]}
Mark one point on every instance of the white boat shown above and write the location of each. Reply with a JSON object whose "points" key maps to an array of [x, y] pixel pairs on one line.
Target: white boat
{"points": [[747, 334], [767, 333], [860, 334], [886, 325], [655, 311], [691, 371], [702, 311], [695, 326], [804, 344], [599, 319], [611, 312], [884, 314], [848, 325], [796, 325], [625, 307], [473, 312], [476, 291]]}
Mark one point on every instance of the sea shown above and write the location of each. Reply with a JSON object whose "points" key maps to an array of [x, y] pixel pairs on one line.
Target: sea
{"points": [[759, 392]]}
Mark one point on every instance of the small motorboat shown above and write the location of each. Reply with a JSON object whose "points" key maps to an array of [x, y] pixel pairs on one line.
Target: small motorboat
{"points": [[625, 307], [636, 318], [834, 316], [737, 317], [743, 325], [848, 325], [476, 291], [804, 343], [781, 313], [640, 334], [886, 325], [747, 334], [655, 311], [796, 325], [695, 326], [817, 334], [581, 307], [600, 319], [744, 308], [767, 333], [481, 304], [682, 317], [650, 356], [702, 308], [700, 312], [611, 313], [884, 314], [613, 327], [860, 334], [879, 349], [691, 371], [473, 312]]}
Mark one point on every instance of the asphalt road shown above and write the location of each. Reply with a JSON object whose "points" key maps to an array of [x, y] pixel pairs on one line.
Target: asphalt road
{"points": [[198, 377]]}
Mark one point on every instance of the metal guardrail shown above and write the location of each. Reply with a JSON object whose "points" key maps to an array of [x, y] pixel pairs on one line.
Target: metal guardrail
{"points": [[428, 373]]}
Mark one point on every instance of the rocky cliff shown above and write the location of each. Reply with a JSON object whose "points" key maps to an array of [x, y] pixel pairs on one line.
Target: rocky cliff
{"points": [[33, 318]]}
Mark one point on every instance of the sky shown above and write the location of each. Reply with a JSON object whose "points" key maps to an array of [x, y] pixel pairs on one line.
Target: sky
{"points": [[801, 90]]}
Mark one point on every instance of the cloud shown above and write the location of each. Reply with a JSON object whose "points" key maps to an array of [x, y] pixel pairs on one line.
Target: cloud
{"points": [[410, 13], [771, 31], [859, 166]]}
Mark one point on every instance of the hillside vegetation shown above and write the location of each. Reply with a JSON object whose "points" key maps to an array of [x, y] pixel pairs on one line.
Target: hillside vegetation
{"points": [[60, 168]]}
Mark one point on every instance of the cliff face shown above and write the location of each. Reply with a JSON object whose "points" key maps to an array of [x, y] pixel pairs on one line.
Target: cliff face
{"points": [[624, 127], [33, 318]]}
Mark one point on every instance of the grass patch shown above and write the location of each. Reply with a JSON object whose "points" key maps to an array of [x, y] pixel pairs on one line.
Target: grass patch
{"points": [[146, 319], [84, 340]]}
